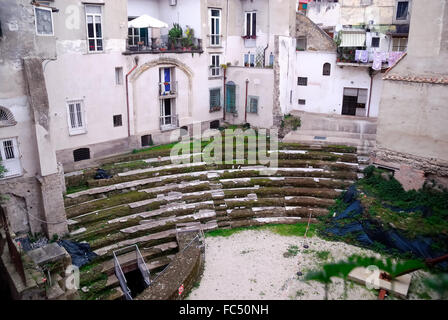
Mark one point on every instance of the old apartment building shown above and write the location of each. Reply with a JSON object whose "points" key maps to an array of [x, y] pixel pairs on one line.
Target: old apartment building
{"points": [[79, 83], [353, 42]]}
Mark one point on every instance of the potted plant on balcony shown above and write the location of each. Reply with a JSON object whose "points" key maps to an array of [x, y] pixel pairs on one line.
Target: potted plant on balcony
{"points": [[174, 35]]}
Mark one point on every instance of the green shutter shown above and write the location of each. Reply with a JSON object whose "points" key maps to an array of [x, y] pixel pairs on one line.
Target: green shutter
{"points": [[231, 99]]}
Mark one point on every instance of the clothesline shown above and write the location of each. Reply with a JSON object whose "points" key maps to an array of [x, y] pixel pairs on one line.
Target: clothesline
{"points": [[378, 58]]}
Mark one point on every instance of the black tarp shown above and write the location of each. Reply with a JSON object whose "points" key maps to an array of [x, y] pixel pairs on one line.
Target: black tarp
{"points": [[369, 231], [81, 253]]}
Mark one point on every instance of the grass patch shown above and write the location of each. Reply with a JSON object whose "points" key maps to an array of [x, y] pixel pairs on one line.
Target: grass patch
{"points": [[297, 230], [74, 189], [293, 250], [322, 255]]}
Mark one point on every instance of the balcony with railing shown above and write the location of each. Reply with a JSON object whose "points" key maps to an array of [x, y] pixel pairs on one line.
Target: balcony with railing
{"points": [[169, 122], [167, 89], [164, 44]]}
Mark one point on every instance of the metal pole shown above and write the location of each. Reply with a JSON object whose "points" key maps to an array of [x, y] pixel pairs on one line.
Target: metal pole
{"points": [[224, 102], [245, 108]]}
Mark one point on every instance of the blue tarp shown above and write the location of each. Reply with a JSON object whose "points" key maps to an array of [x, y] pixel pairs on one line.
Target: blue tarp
{"points": [[81, 253], [368, 231]]}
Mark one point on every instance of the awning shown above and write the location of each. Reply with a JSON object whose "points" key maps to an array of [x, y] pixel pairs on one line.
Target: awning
{"points": [[353, 39], [145, 21]]}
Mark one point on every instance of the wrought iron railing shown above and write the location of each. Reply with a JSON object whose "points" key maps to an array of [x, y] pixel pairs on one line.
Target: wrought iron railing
{"points": [[165, 44]]}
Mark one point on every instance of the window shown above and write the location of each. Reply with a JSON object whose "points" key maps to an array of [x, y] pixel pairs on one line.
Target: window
{"points": [[271, 60], [119, 75], [249, 60], [214, 124], [6, 118], [302, 81], [118, 122], [167, 85], [253, 104], [76, 117], [9, 157], [215, 69], [146, 140], [94, 28], [81, 154], [44, 21], [302, 101], [215, 99], [301, 43], [215, 27], [250, 29], [375, 42], [133, 36], [354, 101], [402, 10], [399, 44], [326, 69]]}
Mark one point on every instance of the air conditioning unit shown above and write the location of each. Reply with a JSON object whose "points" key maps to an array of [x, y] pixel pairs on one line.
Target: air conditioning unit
{"points": [[173, 2]]}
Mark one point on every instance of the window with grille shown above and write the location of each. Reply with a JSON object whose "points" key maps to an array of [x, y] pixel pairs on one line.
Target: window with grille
{"points": [[118, 121], [302, 81], [81, 154], [94, 28], [215, 99], [215, 69], [253, 104], [302, 101], [9, 157], [76, 117], [215, 27], [375, 42], [44, 21], [250, 29], [6, 117]]}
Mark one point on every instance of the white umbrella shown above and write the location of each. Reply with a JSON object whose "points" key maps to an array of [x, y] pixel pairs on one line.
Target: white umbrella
{"points": [[145, 21]]}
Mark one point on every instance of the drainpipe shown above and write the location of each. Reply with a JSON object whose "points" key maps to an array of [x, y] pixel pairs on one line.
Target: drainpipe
{"points": [[127, 94], [371, 72], [245, 109], [224, 102]]}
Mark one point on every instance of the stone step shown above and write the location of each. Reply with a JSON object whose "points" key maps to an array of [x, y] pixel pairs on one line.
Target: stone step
{"points": [[337, 134], [296, 137]]}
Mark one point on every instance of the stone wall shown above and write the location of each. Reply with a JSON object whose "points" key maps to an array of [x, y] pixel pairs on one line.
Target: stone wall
{"points": [[184, 270], [316, 38]]}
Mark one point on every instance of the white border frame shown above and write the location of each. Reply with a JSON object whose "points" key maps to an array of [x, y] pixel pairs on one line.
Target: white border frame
{"points": [[87, 27], [83, 129]]}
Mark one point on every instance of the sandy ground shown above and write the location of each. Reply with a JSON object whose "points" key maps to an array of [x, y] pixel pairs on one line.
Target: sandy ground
{"points": [[251, 265]]}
